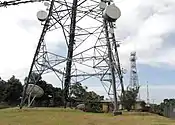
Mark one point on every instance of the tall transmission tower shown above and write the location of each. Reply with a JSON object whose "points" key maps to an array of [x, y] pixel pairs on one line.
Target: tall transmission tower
{"points": [[86, 27], [134, 82], [147, 96]]}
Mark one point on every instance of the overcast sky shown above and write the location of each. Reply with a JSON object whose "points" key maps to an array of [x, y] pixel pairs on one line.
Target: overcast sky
{"points": [[146, 27]]}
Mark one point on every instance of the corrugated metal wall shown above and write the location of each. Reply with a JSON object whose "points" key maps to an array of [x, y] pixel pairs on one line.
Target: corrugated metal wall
{"points": [[169, 111]]}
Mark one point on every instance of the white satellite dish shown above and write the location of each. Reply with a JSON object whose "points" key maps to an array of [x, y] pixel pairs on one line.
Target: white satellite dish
{"points": [[102, 5], [112, 13], [46, 4], [124, 71], [111, 30], [133, 53], [50, 96], [42, 15], [34, 90]]}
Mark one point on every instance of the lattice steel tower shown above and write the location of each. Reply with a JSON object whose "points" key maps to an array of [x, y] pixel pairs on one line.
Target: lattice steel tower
{"points": [[86, 27], [134, 82]]}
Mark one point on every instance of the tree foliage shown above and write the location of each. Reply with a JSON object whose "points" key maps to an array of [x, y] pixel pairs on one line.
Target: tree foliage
{"points": [[78, 92], [90, 99], [34, 78], [129, 99], [3, 87], [11, 91]]}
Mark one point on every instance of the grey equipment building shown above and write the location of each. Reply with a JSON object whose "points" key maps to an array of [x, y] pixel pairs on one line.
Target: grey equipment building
{"points": [[169, 111]]}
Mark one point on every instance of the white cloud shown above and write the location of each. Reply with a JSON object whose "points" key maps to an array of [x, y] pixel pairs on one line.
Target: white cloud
{"points": [[17, 44], [20, 31], [142, 27], [157, 92]]}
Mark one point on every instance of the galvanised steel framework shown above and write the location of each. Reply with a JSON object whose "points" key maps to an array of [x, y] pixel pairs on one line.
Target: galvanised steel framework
{"points": [[134, 82], [90, 44]]}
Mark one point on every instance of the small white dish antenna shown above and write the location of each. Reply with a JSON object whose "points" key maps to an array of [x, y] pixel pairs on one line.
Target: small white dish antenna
{"points": [[42, 15], [50, 96], [102, 5], [124, 71], [133, 53], [112, 13], [134, 70], [46, 4], [111, 30]]}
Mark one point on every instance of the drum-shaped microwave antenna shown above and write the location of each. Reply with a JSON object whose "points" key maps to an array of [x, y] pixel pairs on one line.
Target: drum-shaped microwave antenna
{"points": [[34, 90], [111, 13], [41, 15]]}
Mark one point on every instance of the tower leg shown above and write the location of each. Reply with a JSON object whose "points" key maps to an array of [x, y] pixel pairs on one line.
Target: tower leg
{"points": [[112, 70], [70, 53], [36, 54]]}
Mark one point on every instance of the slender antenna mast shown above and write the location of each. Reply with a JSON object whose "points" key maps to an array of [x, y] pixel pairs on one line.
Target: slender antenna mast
{"points": [[148, 103], [134, 82]]}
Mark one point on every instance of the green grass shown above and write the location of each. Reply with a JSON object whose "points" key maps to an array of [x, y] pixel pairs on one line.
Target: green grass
{"points": [[56, 116]]}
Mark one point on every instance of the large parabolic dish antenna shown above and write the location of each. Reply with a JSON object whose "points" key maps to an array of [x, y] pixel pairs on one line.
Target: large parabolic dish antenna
{"points": [[112, 13], [34, 90]]}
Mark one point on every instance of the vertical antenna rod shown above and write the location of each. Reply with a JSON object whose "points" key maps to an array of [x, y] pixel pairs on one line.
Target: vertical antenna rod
{"points": [[70, 52], [120, 75], [147, 95]]}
